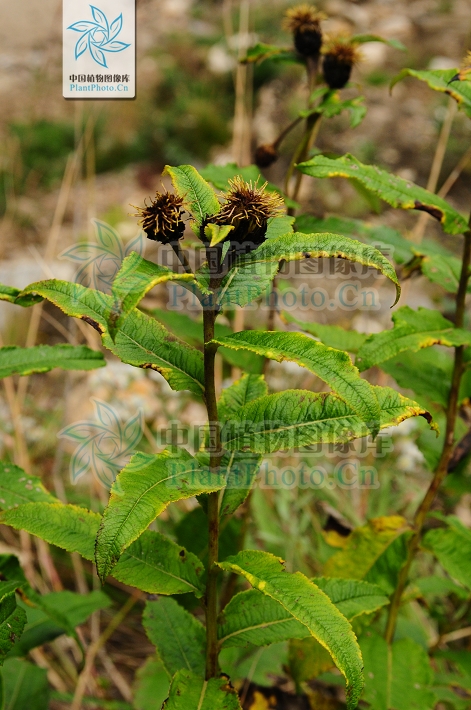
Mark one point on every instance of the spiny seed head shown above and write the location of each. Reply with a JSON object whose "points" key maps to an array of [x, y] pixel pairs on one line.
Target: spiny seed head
{"points": [[304, 22], [247, 208], [161, 220], [265, 155], [340, 54]]}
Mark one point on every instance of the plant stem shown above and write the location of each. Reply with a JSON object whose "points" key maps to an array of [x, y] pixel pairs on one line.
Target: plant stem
{"points": [[209, 318], [181, 256], [447, 451]]}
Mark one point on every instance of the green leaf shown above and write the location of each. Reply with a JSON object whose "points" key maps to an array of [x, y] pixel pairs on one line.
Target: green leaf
{"points": [[12, 618], [190, 692], [332, 105], [12, 295], [452, 548], [375, 552], [16, 487], [299, 418], [179, 638], [153, 563], [352, 597], [25, 686], [246, 389], [307, 604], [200, 199], [307, 660], [412, 330], [246, 281], [134, 280], [191, 331], [261, 52], [141, 341], [427, 373], [219, 176], [277, 226], [217, 233], [394, 190], [240, 471], [296, 246], [363, 38], [252, 617], [398, 676], [332, 366], [151, 685], [331, 335], [141, 491], [382, 237], [441, 80], [42, 358], [58, 613]]}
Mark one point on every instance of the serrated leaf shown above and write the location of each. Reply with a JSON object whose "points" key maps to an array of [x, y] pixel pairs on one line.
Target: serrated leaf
{"points": [[134, 280], [331, 335], [427, 373], [397, 676], [394, 190], [296, 246], [252, 617], [153, 563], [55, 614], [151, 685], [24, 686], [246, 282], [277, 226], [179, 638], [412, 330], [246, 389], [333, 367], [300, 418], [307, 604], [451, 546], [190, 692], [441, 80], [384, 238], [16, 487], [200, 198], [142, 490], [12, 619], [12, 295], [366, 552], [42, 358], [141, 341]]}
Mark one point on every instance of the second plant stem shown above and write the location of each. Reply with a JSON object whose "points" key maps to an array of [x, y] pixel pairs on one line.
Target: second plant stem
{"points": [[447, 450], [209, 318]]}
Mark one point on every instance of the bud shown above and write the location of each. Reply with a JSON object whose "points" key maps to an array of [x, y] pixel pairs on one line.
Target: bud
{"points": [[304, 22], [265, 155], [340, 54], [162, 219]]}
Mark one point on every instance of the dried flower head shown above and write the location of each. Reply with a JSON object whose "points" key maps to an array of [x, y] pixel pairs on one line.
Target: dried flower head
{"points": [[248, 208], [162, 219], [265, 155], [340, 54], [304, 22]]}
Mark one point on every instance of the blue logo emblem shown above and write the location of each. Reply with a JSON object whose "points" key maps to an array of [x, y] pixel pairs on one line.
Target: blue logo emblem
{"points": [[98, 36]]}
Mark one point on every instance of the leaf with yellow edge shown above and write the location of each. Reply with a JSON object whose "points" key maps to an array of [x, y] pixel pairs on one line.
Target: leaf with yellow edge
{"points": [[374, 552], [305, 601], [217, 233]]}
